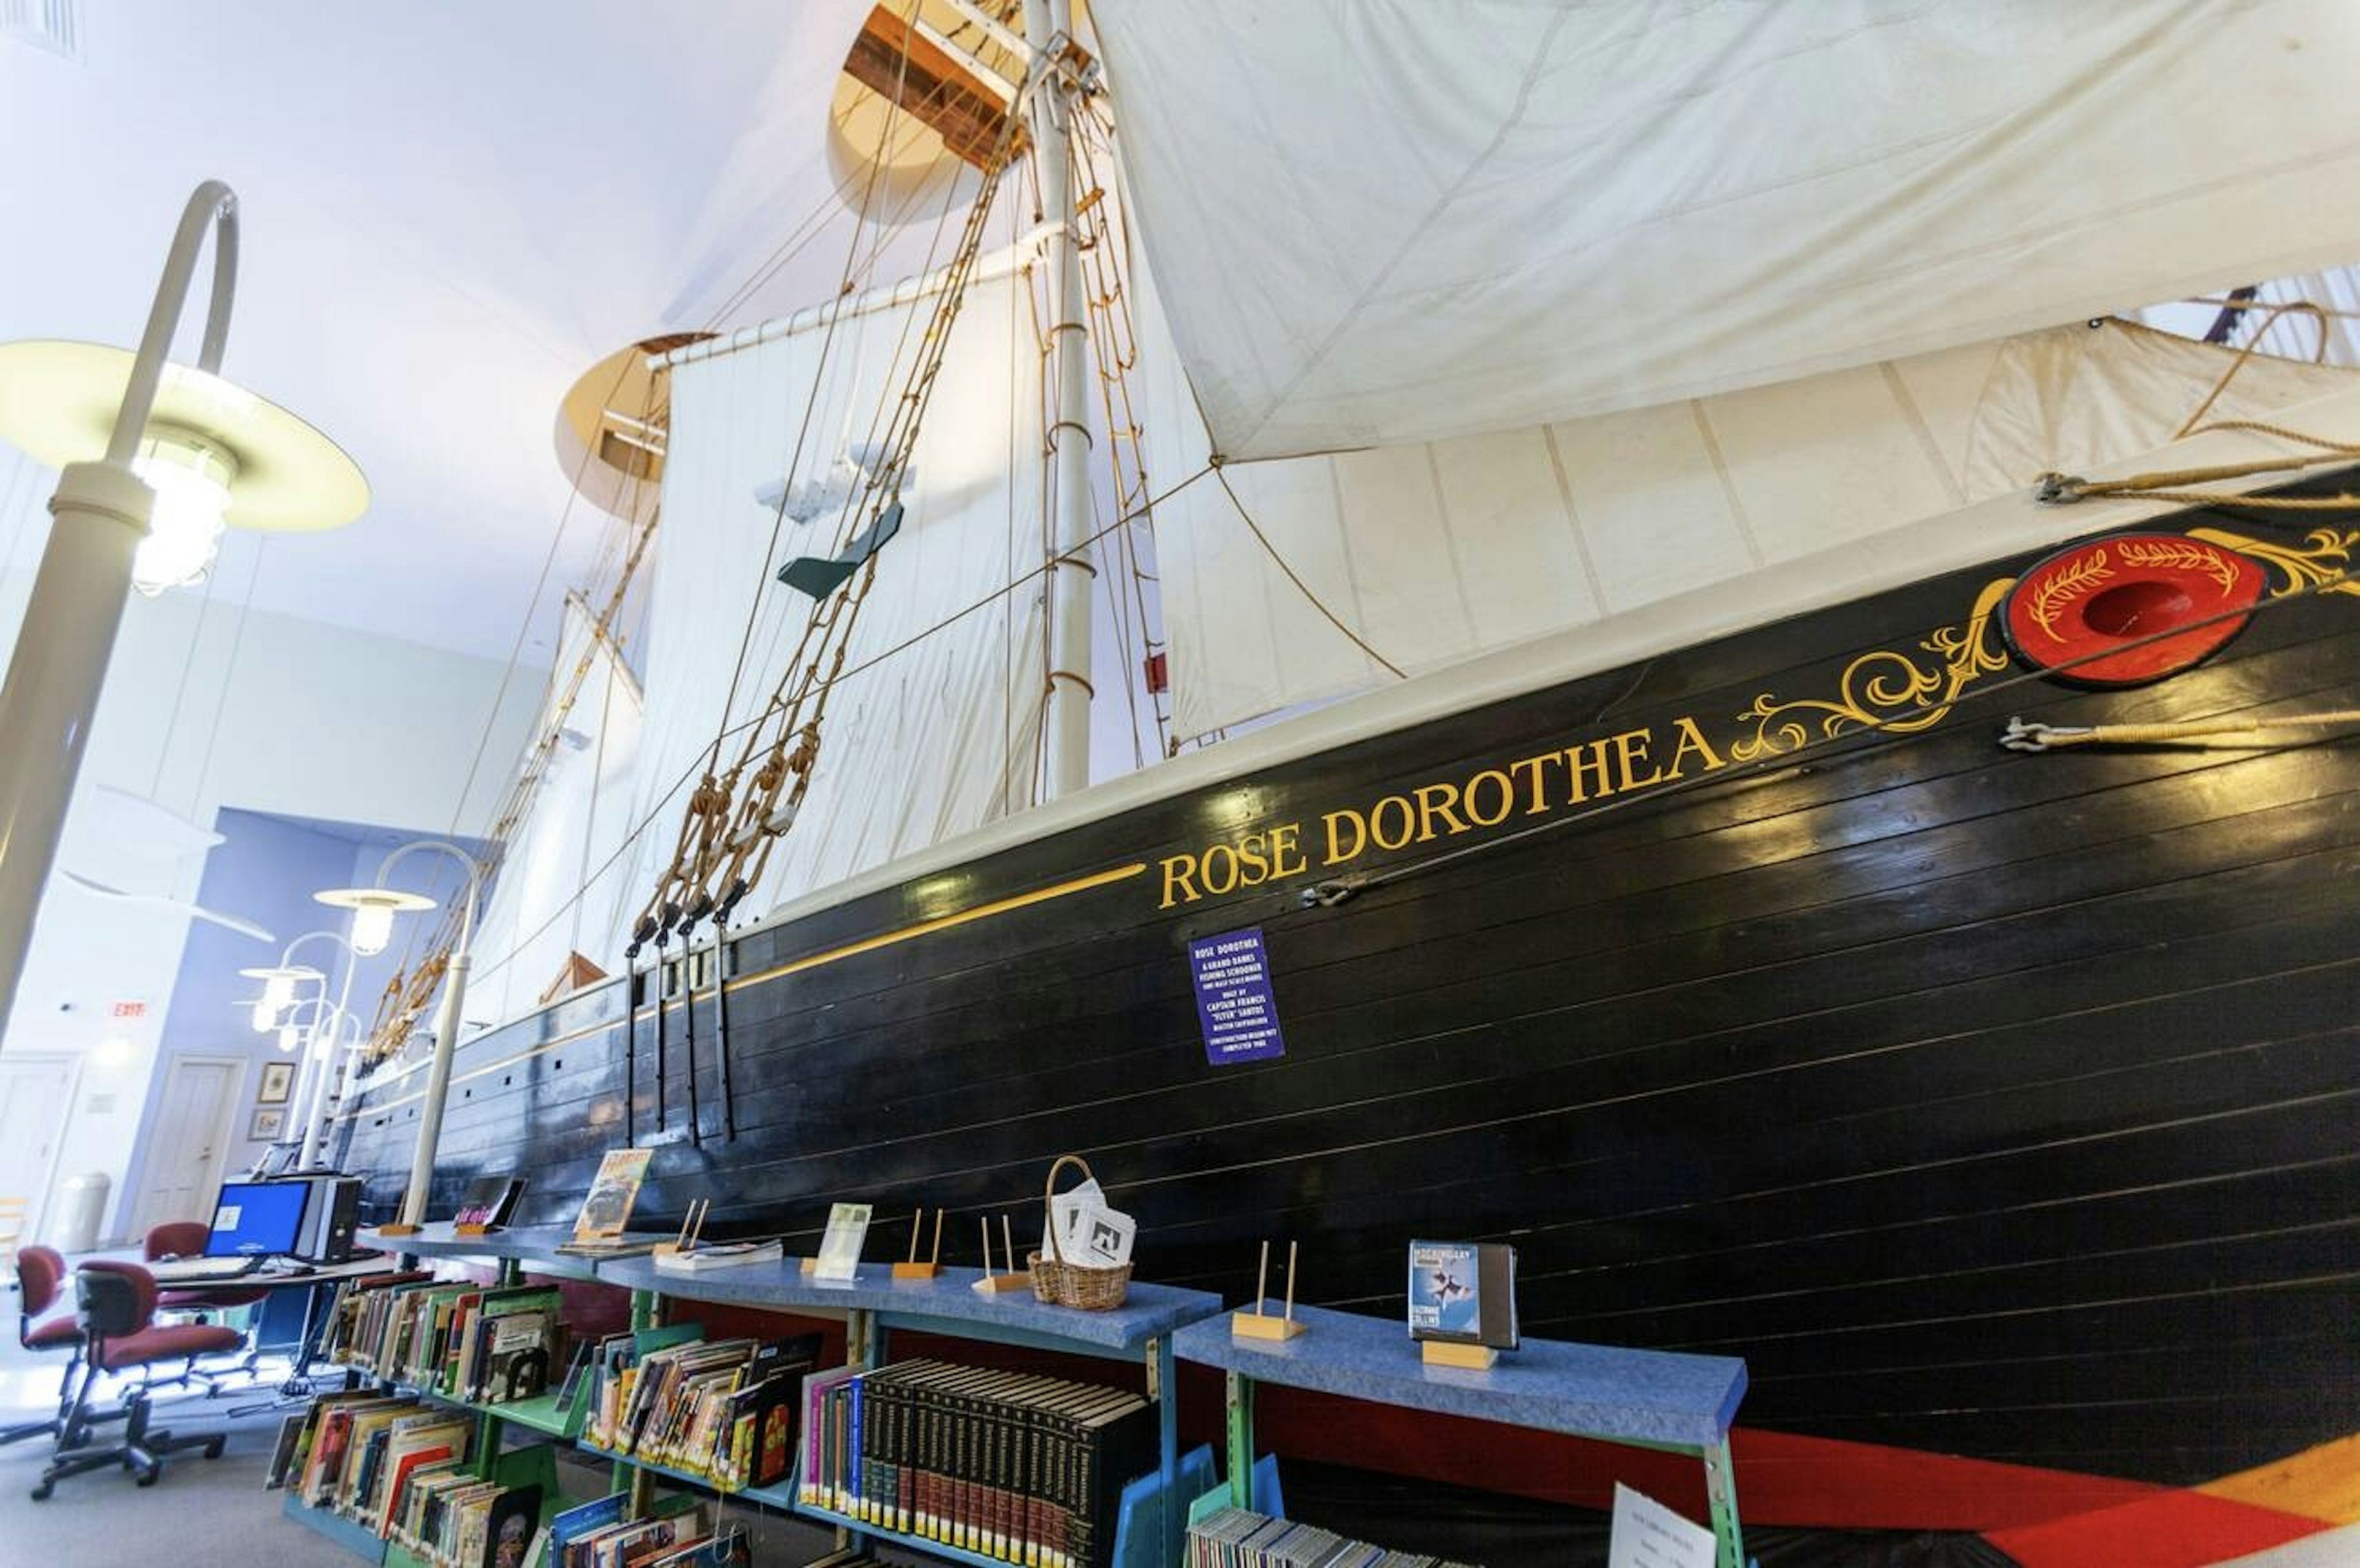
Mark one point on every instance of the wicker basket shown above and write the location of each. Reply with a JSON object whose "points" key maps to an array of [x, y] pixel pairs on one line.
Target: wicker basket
{"points": [[1064, 1284]]}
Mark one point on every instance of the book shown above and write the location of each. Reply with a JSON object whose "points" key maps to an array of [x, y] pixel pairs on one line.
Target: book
{"points": [[489, 1200], [508, 1527], [1463, 1293], [282, 1453], [517, 1362], [606, 1208], [839, 1248], [721, 1255], [573, 1523]]}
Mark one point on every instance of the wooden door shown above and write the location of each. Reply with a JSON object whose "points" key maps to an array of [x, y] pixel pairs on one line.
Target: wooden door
{"points": [[36, 1094], [190, 1141]]}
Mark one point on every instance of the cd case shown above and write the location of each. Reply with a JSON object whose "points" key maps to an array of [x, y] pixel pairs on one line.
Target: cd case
{"points": [[1463, 1293]]}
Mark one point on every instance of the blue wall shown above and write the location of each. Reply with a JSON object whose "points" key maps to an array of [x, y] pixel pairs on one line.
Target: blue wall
{"points": [[266, 870]]}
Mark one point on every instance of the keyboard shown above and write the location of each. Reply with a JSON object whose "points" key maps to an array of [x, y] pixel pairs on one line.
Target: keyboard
{"points": [[180, 1270]]}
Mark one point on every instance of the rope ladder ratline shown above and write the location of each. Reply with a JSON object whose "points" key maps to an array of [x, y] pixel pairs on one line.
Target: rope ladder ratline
{"points": [[728, 831], [411, 991]]}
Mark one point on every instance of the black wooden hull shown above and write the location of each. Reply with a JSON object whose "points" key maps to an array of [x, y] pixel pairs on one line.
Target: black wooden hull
{"points": [[1994, 1104]]}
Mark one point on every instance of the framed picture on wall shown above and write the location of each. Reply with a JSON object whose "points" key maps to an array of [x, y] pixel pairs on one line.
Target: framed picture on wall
{"points": [[278, 1083], [269, 1121]]}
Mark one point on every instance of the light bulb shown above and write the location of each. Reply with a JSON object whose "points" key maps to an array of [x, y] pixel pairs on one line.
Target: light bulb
{"points": [[372, 929], [190, 477], [266, 1015], [277, 992], [289, 1037]]}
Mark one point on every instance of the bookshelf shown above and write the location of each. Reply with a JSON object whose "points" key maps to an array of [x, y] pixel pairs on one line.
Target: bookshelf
{"points": [[874, 1305], [1646, 1398], [530, 1466]]}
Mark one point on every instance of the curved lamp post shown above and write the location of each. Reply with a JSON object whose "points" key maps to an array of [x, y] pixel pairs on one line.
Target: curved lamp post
{"points": [[294, 1035], [373, 912], [281, 978], [183, 450]]}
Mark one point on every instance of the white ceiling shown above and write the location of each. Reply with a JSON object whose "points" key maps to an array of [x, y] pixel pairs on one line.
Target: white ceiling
{"points": [[449, 212]]}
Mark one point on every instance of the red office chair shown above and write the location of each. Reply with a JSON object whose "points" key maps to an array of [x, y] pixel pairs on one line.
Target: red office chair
{"points": [[187, 1238], [115, 1304], [41, 1287]]}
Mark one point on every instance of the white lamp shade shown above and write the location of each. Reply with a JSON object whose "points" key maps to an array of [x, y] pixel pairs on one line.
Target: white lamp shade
{"points": [[373, 911], [58, 400], [266, 1015], [289, 1037]]}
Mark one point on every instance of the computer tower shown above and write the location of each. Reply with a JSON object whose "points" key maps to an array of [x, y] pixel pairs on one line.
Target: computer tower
{"points": [[330, 1218]]}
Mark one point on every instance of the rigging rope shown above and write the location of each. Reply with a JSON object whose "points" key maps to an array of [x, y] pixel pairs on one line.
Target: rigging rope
{"points": [[656, 811], [2023, 734], [1301, 587], [727, 833], [2165, 484]]}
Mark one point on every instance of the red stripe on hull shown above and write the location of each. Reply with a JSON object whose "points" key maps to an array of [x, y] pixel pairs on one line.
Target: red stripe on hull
{"points": [[2174, 1529]]}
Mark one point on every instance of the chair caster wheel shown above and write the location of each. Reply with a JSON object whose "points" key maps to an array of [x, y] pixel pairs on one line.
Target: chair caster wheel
{"points": [[41, 1492], [214, 1449], [150, 1476]]}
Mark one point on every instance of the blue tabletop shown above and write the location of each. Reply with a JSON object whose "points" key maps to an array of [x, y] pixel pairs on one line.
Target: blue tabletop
{"points": [[1148, 1310], [535, 1246], [1591, 1391]]}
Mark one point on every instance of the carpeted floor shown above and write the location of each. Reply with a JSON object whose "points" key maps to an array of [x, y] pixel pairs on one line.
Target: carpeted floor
{"points": [[208, 1513]]}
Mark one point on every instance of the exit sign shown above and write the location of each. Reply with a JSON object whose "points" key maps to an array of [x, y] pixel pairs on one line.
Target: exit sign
{"points": [[130, 1009]]}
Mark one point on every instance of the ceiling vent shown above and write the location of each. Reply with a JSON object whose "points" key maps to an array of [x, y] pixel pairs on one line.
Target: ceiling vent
{"points": [[44, 24]]}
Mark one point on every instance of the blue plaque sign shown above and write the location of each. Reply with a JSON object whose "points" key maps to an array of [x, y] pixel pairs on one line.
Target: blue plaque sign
{"points": [[1233, 999]]}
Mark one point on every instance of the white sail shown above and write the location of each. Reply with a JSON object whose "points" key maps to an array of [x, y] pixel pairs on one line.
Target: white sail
{"points": [[534, 919], [1437, 551], [1382, 221], [935, 740]]}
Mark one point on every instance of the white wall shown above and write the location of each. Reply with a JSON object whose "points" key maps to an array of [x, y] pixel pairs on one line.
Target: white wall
{"points": [[207, 707]]}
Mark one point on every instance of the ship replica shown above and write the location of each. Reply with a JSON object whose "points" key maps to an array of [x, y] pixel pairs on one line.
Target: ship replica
{"points": [[1697, 845]]}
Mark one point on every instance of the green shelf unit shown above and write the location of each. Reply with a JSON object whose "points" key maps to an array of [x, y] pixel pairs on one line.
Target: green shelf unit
{"points": [[355, 1538], [874, 1304], [541, 1414], [781, 1498], [895, 1538]]}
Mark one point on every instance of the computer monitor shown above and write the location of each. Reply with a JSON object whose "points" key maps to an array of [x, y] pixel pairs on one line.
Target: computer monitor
{"points": [[258, 1219]]}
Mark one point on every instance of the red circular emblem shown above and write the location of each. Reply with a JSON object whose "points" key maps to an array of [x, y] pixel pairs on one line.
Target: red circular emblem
{"points": [[2069, 613]]}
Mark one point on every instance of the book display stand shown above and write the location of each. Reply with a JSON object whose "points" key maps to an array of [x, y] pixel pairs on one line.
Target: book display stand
{"points": [[913, 1268], [872, 1305], [1649, 1399], [1010, 1277], [1258, 1325]]}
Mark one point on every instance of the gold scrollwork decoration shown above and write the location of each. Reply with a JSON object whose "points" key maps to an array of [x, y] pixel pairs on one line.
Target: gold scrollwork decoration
{"points": [[2062, 587], [1886, 689], [2321, 561], [2181, 556]]}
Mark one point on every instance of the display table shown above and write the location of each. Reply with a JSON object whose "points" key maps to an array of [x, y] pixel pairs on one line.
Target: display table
{"points": [[1649, 1399], [536, 1245]]}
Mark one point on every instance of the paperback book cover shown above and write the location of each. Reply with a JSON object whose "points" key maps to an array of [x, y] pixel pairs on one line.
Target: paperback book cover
{"points": [[489, 1200], [509, 1529], [840, 1249], [607, 1207], [1463, 1291]]}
